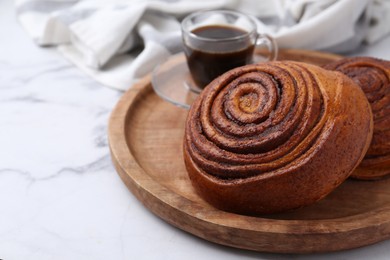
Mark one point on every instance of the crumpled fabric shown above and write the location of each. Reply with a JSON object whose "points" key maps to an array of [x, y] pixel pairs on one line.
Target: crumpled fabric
{"points": [[118, 42]]}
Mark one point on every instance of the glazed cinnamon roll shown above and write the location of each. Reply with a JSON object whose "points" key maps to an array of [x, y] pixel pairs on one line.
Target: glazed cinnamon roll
{"points": [[373, 76], [275, 136]]}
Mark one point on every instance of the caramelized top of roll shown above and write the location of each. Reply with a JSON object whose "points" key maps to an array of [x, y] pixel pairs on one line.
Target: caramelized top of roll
{"points": [[373, 76]]}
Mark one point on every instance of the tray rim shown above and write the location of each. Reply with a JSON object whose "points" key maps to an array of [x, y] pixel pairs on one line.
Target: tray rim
{"points": [[168, 205]]}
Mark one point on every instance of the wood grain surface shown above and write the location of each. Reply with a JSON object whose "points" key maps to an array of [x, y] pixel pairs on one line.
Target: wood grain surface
{"points": [[145, 136]]}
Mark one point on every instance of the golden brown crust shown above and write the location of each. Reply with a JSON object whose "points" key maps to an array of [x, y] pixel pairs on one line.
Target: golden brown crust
{"points": [[275, 136], [373, 76]]}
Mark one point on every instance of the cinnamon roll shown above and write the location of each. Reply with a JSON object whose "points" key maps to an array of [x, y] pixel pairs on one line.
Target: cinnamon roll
{"points": [[373, 76], [275, 136]]}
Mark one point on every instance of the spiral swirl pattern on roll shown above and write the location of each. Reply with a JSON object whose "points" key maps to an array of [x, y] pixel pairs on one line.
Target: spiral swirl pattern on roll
{"points": [[262, 125], [251, 124], [373, 76]]}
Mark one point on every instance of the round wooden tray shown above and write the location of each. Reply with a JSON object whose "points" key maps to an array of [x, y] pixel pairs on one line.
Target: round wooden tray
{"points": [[145, 135]]}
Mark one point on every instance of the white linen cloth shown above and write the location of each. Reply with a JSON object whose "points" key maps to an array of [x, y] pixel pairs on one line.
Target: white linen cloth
{"points": [[117, 42]]}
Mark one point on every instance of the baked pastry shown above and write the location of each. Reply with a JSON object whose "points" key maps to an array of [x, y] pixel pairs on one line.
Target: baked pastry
{"points": [[373, 76], [275, 136]]}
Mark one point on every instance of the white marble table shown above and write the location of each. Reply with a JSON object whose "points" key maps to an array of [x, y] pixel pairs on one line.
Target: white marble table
{"points": [[60, 197]]}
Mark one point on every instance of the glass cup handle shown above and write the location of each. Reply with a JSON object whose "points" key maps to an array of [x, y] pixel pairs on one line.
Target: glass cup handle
{"points": [[270, 43]]}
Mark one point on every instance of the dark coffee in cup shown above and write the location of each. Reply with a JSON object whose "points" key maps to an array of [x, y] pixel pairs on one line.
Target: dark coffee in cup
{"points": [[219, 40], [209, 59]]}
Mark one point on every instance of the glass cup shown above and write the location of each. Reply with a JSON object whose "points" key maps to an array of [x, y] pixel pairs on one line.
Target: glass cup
{"points": [[219, 40]]}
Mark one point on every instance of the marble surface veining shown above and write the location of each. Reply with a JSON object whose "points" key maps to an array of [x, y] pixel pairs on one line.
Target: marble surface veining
{"points": [[60, 197]]}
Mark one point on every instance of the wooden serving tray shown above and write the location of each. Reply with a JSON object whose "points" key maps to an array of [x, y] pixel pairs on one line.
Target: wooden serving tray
{"points": [[145, 135]]}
